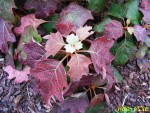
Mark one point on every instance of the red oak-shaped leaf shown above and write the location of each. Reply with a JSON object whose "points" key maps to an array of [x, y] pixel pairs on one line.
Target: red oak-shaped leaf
{"points": [[78, 66], [6, 35], [28, 20], [145, 4], [43, 8], [74, 15], [75, 104], [100, 54], [146, 14], [52, 79], [84, 81], [97, 99], [35, 53], [110, 77], [19, 76], [54, 44], [140, 33], [113, 30], [84, 32], [64, 28]]}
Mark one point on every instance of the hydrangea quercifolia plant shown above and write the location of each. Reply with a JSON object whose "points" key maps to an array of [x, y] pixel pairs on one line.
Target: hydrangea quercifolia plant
{"points": [[67, 59]]}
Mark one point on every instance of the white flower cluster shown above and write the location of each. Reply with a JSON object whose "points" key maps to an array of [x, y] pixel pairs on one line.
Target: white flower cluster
{"points": [[129, 29], [73, 43]]}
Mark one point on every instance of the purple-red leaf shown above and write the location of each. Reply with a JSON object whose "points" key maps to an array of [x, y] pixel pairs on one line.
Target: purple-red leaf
{"points": [[113, 30], [97, 99], [100, 55], [140, 33], [78, 66], [146, 14], [84, 81], [145, 4], [28, 20], [72, 18], [19, 76], [54, 44], [6, 35], [43, 8], [34, 52], [84, 32], [52, 79], [75, 104]]}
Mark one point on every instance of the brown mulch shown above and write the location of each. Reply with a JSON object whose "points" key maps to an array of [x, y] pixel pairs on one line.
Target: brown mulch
{"points": [[18, 98], [135, 89]]}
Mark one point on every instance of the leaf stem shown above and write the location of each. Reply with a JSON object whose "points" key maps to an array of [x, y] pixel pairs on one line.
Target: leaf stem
{"points": [[65, 57], [62, 51], [82, 51]]}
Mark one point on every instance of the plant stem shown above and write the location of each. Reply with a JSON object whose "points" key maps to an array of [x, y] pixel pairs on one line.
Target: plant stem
{"points": [[65, 57], [82, 51]]}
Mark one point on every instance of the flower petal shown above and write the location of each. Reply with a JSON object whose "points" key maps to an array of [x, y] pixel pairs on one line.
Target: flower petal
{"points": [[69, 48], [78, 45], [130, 30], [72, 39]]}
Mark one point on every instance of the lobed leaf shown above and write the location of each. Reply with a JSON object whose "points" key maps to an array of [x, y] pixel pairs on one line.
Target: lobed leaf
{"points": [[84, 81], [113, 30], [19, 76], [146, 14], [52, 79], [77, 104], [97, 5], [28, 20], [78, 66], [84, 32], [54, 44], [124, 50], [28, 35], [96, 108], [43, 8], [133, 11], [6, 11], [145, 4], [96, 100], [6, 35], [140, 33], [117, 10], [72, 18], [100, 26], [35, 53], [100, 55]]}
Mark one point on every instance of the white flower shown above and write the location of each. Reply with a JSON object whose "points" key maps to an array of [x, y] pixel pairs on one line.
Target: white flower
{"points": [[72, 39], [130, 30], [78, 45], [69, 48], [73, 43]]}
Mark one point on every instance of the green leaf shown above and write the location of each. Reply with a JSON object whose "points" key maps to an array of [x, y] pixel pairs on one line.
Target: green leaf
{"points": [[132, 11], [100, 26], [49, 26], [117, 10], [6, 10], [142, 51], [97, 5], [31, 32], [117, 75], [124, 50], [96, 109]]}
